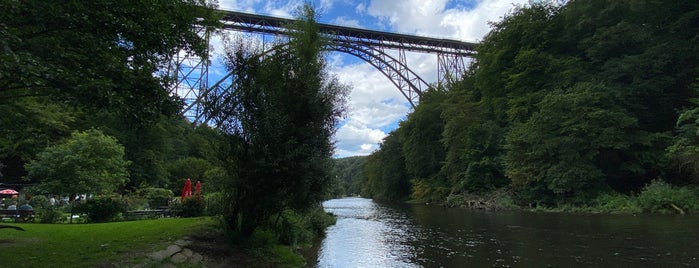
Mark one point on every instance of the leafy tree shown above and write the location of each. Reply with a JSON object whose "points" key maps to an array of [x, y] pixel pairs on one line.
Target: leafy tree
{"points": [[98, 54], [347, 173], [473, 142], [280, 116], [562, 144], [27, 127], [421, 134], [385, 175], [87, 162]]}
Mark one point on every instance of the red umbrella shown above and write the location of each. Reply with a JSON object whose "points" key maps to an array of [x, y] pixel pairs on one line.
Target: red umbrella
{"points": [[187, 190], [8, 191]]}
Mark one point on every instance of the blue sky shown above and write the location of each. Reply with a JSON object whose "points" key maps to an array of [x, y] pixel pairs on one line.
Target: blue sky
{"points": [[376, 106]]}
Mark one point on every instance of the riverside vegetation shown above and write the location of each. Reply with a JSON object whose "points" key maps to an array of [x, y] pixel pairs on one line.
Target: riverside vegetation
{"points": [[567, 105]]}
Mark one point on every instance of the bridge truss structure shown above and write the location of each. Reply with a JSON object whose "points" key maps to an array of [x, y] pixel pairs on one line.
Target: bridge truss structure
{"points": [[191, 74]]}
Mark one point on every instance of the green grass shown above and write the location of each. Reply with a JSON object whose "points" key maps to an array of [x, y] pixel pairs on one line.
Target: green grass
{"points": [[86, 245]]}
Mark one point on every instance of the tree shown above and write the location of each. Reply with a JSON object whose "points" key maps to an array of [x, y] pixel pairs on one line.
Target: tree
{"points": [[384, 176], [27, 127], [98, 54], [87, 162], [280, 117], [562, 146]]}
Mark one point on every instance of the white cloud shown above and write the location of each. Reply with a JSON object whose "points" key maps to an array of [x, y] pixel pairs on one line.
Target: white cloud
{"points": [[432, 18], [355, 138], [239, 5], [345, 21]]}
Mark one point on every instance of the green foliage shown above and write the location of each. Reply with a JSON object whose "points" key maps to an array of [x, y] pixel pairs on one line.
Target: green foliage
{"points": [[420, 136], [659, 196], [279, 115], [428, 190], [45, 212], [384, 176], [347, 175], [155, 196], [189, 207], [101, 209], [293, 229], [684, 152], [561, 143], [87, 162], [564, 100], [215, 203], [616, 203], [109, 51], [26, 128]]}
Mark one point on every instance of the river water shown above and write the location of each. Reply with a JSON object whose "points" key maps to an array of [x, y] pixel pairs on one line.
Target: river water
{"points": [[370, 234]]}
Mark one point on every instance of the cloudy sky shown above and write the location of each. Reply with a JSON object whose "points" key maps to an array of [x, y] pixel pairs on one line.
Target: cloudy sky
{"points": [[376, 106]]}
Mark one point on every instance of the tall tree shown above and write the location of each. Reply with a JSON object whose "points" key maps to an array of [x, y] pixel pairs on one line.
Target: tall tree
{"points": [[384, 175], [280, 116]]}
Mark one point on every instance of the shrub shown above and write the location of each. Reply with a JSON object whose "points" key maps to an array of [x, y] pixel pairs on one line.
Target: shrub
{"points": [[189, 207], [294, 229], [156, 197], [615, 202], [660, 196], [215, 203], [101, 209], [320, 220], [134, 202], [44, 211]]}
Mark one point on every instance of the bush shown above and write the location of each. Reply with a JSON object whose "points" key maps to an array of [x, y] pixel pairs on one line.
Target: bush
{"points": [[215, 203], [296, 228], [44, 211], [616, 202], [660, 196], [101, 209], [134, 202], [157, 197], [189, 207], [320, 220]]}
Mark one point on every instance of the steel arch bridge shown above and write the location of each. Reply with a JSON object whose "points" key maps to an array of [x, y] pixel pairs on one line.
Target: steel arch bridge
{"points": [[191, 76]]}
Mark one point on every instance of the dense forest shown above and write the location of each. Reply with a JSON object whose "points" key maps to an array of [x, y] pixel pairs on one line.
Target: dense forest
{"points": [[564, 104]]}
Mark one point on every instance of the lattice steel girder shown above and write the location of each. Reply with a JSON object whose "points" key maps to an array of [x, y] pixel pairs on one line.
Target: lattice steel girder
{"points": [[449, 67], [190, 77], [272, 25]]}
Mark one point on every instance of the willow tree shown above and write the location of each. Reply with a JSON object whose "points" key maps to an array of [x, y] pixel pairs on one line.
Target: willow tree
{"points": [[280, 116]]}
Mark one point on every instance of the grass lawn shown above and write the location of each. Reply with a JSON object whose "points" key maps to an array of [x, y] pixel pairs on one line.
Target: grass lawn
{"points": [[87, 245]]}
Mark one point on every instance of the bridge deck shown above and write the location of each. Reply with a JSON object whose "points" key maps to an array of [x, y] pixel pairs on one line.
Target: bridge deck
{"points": [[273, 25]]}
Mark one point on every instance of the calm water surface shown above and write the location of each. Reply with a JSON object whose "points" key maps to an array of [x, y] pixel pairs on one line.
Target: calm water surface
{"points": [[369, 234]]}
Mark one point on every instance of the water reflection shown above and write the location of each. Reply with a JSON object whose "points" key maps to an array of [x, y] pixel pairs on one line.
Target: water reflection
{"points": [[366, 235], [380, 235]]}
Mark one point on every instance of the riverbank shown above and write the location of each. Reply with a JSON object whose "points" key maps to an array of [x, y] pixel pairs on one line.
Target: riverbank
{"points": [[656, 197]]}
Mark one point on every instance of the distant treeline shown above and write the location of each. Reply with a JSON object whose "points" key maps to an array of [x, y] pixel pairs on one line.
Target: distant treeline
{"points": [[562, 103]]}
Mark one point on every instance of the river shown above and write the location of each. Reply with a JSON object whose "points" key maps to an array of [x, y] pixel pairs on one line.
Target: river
{"points": [[370, 234]]}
